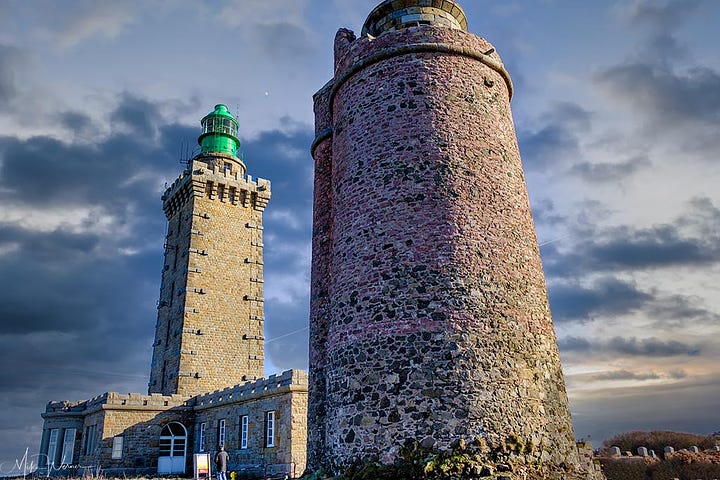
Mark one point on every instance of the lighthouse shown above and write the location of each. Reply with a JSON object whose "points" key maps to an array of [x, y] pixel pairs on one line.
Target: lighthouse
{"points": [[209, 331]]}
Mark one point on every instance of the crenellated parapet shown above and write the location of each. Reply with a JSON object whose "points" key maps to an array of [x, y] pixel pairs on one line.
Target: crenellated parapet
{"points": [[153, 401], [115, 401], [289, 380], [207, 176]]}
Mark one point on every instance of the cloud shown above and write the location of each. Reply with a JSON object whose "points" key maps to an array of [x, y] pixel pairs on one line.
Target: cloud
{"points": [[663, 85], [658, 16], [84, 19], [10, 64], [602, 172], [608, 296], [652, 347], [136, 115], [691, 240], [556, 139], [679, 311], [665, 97], [626, 375], [283, 41]]}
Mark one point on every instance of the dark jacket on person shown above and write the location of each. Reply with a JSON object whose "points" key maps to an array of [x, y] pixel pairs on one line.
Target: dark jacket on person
{"points": [[221, 461]]}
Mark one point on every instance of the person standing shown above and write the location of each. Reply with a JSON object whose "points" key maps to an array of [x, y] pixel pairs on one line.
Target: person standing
{"points": [[221, 461]]}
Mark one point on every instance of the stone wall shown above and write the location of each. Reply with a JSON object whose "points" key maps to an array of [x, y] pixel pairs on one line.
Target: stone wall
{"points": [[437, 325], [286, 395]]}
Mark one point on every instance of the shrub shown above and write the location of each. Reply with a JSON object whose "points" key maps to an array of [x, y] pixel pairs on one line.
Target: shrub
{"points": [[623, 469], [658, 440]]}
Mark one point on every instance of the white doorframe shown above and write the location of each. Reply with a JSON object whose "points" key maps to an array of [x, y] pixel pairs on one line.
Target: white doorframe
{"points": [[173, 449]]}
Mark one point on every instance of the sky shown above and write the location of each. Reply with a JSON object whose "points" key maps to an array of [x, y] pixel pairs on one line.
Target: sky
{"points": [[617, 110]]}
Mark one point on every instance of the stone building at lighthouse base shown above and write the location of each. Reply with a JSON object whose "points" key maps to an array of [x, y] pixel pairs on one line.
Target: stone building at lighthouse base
{"points": [[125, 435]]}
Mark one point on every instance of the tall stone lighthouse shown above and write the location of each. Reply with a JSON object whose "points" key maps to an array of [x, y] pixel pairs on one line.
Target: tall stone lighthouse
{"points": [[209, 332], [429, 320]]}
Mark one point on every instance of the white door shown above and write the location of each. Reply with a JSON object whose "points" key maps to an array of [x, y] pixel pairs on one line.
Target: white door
{"points": [[173, 449]]}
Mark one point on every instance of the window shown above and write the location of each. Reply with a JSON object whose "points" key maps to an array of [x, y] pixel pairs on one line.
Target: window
{"points": [[228, 167], [270, 429], [52, 446], [203, 428], [117, 448], [244, 432], [221, 192], [221, 432], [89, 439], [68, 447]]}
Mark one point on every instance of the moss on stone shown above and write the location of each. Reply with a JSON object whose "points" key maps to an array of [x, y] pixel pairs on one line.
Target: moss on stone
{"points": [[465, 460]]}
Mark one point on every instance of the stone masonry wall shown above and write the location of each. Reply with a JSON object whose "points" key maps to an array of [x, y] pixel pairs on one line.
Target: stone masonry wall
{"points": [[284, 394], [438, 326], [319, 294], [210, 320]]}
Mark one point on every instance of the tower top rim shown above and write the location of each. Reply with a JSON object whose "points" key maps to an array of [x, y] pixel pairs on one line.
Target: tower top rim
{"points": [[393, 15]]}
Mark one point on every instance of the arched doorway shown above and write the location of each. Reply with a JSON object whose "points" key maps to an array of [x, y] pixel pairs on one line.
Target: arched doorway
{"points": [[173, 449]]}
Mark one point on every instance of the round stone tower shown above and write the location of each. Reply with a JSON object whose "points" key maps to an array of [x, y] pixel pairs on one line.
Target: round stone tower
{"points": [[429, 322]]}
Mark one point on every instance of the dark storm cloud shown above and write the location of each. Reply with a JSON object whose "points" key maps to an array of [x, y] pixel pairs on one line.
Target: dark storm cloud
{"points": [[662, 245], [284, 158], [691, 240], [678, 311], [650, 347], [666, 97], [545, 147], [78, 297], [629, 347], [574, 344], [556, 140], [76, 121], [139, 115], [609, 172], [544, 212], [609, 296], [119, 170]]}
